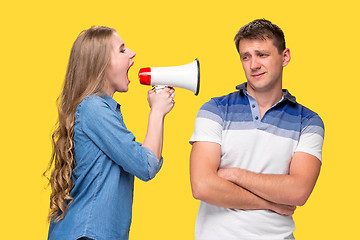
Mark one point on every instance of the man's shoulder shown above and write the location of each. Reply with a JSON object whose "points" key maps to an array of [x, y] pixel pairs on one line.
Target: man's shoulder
{"points": [[227, 100], [307, 112], [309, 117], [229, 97], [233, 102]]}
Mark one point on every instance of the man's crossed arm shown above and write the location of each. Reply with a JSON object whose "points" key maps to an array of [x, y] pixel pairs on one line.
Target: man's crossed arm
{"points": [[291, 189], [240, 189]]}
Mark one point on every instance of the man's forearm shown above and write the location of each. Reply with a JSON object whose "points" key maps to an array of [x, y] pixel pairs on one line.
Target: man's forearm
{"points": [[223, 193], [290, 189], [275, 188]]}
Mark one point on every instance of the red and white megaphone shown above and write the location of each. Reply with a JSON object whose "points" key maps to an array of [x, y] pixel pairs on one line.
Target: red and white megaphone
{"points": [[185, 76]]}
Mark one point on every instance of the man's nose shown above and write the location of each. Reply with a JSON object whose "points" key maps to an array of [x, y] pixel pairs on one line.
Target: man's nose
{"points": [[254, 64]]}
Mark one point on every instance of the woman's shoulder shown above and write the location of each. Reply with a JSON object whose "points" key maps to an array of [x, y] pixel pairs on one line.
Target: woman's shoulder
{"points": [[93, 103]]}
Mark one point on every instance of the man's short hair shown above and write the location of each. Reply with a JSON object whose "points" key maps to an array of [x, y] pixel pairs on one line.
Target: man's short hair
{"points": [[261, 29]]}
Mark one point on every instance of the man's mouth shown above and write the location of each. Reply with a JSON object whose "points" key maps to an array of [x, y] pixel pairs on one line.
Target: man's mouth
{"points": [[258, 75]]}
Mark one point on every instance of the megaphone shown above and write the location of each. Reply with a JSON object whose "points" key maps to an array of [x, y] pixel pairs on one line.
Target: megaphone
{"points": [[185, 76]]}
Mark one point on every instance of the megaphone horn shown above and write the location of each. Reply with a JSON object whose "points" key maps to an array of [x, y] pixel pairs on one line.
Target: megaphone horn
{"points": [[185, 76]]}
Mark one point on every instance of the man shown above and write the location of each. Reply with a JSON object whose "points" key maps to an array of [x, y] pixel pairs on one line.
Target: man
{"points": [[256, 153]]}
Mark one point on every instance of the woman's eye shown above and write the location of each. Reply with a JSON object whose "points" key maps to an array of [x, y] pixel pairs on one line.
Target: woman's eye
{"points": [[122, 50]]}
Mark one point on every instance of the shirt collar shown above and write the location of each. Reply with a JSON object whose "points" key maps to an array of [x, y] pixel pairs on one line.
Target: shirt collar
{"points": [[112, 103], [287, 95]]}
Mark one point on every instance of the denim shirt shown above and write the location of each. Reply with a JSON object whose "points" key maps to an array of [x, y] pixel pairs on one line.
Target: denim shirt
{"points": [[107, 159]]}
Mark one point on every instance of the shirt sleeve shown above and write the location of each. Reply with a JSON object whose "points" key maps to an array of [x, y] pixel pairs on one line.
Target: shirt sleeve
{"points": [[105, 127], [208, 124], [311, 136]]}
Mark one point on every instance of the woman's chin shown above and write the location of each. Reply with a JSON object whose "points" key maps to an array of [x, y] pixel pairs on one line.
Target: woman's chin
{"points": [[125, 89]]}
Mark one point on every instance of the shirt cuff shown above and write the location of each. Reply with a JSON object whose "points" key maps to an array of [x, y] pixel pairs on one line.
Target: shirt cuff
{"points": [[154, 165]]}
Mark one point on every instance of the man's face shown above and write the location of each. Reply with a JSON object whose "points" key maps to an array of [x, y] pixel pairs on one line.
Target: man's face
{"points": [[262, 64]]}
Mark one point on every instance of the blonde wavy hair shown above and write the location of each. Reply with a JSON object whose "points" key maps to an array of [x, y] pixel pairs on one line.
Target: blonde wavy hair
{"points": [[85, 75]]}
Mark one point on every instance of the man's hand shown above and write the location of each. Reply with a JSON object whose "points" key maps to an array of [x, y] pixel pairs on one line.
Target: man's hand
{"points": [[283, 209]]}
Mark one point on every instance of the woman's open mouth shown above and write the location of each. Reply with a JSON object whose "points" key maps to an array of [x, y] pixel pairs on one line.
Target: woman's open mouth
{"points": [[127, 73]]}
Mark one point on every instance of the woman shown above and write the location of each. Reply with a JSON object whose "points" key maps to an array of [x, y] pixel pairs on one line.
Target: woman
{"points": [[95, 157]]}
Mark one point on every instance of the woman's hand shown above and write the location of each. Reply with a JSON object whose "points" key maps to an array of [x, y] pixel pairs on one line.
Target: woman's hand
{"points": [[162, 102]]}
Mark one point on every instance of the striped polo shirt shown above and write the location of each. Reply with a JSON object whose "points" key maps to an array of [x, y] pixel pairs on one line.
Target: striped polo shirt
{"points": [[259, 144]]}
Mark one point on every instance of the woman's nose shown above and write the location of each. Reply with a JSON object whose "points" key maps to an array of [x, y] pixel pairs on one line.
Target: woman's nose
{"points": [[132, 54]]}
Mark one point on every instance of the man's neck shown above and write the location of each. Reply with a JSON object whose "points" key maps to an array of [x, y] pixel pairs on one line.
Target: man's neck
{"points": [[266, 99]]}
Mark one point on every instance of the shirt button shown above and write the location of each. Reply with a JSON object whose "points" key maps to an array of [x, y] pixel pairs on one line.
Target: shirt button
{"points": [[253, 106], [256, 118]]}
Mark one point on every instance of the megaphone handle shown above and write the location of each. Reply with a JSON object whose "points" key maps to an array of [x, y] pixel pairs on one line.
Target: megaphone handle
{"points": [[158, 88]]}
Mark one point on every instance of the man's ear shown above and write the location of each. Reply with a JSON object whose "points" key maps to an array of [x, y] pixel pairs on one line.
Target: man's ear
{"points": [[286, 57]]}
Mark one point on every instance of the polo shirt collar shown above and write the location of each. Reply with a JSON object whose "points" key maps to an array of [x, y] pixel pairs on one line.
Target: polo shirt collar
{"points": [[287, 95]]}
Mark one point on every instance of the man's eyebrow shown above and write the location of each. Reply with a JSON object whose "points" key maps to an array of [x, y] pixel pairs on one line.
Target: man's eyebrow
{"points": [[244, 53], [262, 51], [256, 51]]}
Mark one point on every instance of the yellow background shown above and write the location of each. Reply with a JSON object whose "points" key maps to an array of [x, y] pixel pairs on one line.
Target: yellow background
{"points": [[36, 37]]}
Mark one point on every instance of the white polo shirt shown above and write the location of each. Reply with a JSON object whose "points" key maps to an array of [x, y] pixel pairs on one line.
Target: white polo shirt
{"points": [[262, 145]]}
